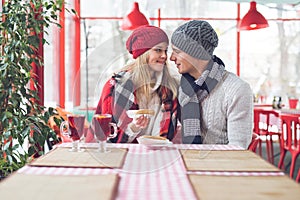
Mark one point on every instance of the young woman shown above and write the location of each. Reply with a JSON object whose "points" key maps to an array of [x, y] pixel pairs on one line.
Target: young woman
{"points": [[144, 84]]}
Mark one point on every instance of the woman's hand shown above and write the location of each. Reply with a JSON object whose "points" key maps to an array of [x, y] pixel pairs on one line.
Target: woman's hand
{"points": [[139, 123]]}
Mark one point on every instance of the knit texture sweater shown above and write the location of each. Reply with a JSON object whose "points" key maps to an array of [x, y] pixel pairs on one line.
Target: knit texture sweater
{"points": [[228, 113]]}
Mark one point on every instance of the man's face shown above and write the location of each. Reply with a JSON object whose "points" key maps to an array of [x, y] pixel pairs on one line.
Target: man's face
{"points": [[184, 62]]}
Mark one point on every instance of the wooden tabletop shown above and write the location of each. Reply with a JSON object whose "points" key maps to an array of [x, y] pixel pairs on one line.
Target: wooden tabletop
{"points": [[174, 172]]}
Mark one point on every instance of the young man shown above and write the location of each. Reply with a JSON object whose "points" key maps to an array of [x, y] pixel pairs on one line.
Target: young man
{"points": [[216, 105]]}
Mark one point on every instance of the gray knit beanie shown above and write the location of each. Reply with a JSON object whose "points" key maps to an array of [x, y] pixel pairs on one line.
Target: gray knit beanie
{"points": [[196, 38]]}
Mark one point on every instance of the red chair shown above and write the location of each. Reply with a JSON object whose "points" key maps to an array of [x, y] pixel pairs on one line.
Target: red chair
{"points": [[266, 124], [290, 140], [254, 142], [298, 176]]}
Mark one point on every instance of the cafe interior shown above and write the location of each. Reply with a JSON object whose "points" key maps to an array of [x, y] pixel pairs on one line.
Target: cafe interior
{"points": [[259, 41]]}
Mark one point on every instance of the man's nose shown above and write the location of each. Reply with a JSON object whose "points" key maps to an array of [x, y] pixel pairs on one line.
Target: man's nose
{"points": [[172, 57]]}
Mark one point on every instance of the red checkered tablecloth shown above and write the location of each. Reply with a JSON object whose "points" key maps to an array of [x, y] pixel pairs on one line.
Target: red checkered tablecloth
{"points": [[146, 173], [217, 173]]}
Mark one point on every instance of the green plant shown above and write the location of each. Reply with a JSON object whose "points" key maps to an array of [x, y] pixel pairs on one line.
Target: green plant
{"points": [[24, 128]]}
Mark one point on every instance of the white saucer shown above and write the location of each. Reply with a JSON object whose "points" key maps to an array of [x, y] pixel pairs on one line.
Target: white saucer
{"points": [[157, 146], [133, 114], [153, 143]]}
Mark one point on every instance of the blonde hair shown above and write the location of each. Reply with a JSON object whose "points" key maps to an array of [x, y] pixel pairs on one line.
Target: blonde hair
{"points": [[141, 77]]}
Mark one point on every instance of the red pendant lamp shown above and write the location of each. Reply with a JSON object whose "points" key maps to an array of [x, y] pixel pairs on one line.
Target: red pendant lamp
{"points": [[134, 19], [253, 19]]}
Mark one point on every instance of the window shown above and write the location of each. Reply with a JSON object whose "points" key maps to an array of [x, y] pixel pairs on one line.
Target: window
{"points": [[269, 58]]}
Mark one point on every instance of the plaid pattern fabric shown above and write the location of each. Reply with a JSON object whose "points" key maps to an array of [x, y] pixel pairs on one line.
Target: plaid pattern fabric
{"points": [[119, 94], [191, 93]]}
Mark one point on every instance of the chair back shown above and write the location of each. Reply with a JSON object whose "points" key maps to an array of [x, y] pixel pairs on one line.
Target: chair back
{"points": [[266, 121], [254, 142], [267, 126], [290, 138]]}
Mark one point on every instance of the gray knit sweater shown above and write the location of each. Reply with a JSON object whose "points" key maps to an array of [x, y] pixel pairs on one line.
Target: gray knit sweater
{"points": [[228, 113]]}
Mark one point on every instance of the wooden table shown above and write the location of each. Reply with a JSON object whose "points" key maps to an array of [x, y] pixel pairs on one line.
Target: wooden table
{"points": [[154, 174]]}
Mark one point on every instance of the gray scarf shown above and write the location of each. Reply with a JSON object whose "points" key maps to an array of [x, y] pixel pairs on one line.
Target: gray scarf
{"points": [[191, 93]]}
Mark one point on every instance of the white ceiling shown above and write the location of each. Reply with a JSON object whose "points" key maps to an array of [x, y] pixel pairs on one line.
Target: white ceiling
{"points": [[295, 2]]}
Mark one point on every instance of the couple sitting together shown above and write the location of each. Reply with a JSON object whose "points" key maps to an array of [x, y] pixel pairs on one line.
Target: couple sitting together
{"points": [[208, 105]]}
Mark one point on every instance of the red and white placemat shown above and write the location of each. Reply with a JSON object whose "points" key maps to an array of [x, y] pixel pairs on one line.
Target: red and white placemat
{"points": [[147, 173]]}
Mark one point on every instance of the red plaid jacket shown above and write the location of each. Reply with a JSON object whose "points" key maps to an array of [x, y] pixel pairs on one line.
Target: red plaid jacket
{"points": [[167, 125]]}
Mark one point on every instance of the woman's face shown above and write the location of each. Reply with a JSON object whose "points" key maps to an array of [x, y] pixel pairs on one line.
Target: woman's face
{"points": [[157, 57]]}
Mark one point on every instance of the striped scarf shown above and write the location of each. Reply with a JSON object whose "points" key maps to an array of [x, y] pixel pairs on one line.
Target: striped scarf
{"points": [[191, 93], [124, 99]]}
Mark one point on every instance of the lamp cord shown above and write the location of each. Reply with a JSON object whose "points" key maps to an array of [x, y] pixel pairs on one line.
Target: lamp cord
{"points": [[86, 66]]}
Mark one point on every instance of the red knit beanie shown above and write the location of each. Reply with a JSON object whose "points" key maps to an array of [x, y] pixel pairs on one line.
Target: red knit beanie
{"points": [[144, 38]]}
